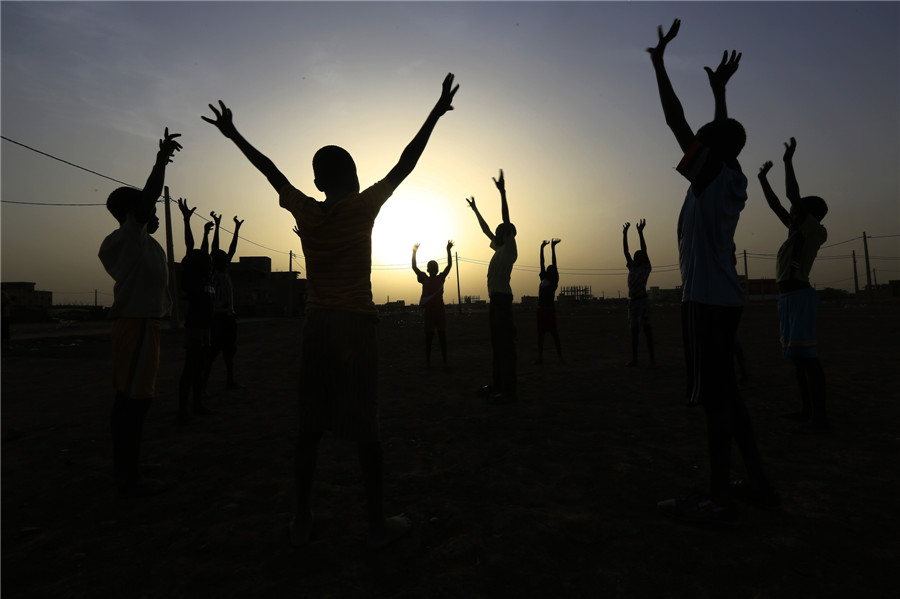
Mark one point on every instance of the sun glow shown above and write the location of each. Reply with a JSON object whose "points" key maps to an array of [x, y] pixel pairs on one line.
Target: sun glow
{"points": [[413, 215]]}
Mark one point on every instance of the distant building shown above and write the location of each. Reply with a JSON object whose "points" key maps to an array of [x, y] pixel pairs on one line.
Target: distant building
{"points": [[759, 289], [260, 292], [574, 294], [26, 303], [665, 296]]}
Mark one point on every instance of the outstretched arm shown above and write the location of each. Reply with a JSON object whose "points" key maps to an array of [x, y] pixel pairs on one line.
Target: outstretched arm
{"points": [[481, 221], [719, 78], [544, 244], [449, 258], [792, 188], [504, 206], [553, 245], [625, 243], [204, 247], [186, 214], [771, 197], [225, 124], [154, 185], [671, 105], [217, 219], [640, 229], [414, 267], [413, 151], [233, 247]]}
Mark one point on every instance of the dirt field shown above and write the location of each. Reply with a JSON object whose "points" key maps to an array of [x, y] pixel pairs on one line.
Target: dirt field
{"points": [[551, 497]]}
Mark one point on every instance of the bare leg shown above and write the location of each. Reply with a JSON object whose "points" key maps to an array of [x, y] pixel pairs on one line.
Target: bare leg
{"points": [[540, 358], [442, 339], [304, 471], [634, 346], [429, 338], [805, 412], [558, 347], [382, 531]]}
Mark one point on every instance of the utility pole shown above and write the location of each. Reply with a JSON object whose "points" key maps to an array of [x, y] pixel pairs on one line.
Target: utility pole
{"points": [[170, 252], [868, 271], [290, 260], [855, 275], [95, 298], [458, 292]]}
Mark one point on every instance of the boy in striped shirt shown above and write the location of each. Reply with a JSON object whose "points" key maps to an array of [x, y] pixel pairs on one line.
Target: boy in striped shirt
{"points": [[339, 357]]}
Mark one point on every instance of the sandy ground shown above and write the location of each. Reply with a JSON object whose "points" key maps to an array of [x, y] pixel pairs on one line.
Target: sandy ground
{"points": [[551, 497]]}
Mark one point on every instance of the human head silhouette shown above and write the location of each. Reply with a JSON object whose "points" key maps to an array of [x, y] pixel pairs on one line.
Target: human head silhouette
{"points": [[335, 172], [123, 200], [725, 136], [640, 258], [219, 259], [815, 206], [502, 231], [432, 268]]}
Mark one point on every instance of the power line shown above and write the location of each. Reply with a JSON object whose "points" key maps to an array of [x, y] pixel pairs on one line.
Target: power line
{"points": [[65, 161], [104, 204], [47, 203]]}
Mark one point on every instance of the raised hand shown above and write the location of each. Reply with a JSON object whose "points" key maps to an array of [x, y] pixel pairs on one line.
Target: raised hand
{"points": [[223, 120], [168, 146], [216, 217], [545, 243], [471, 202], [207, 226], [789, 148], [185, 211], [555, 242], [445, 102], [641, 224], [237, 223], [764, 169], [723, 72], [625, 228], [415, 248], [656, 53], [449, 244], [500, 183]]}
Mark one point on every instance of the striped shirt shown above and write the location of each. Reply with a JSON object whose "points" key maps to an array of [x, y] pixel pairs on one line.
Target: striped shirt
{"points": [[337, 245]]}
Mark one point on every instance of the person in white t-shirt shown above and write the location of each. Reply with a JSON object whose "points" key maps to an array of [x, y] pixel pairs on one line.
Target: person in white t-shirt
{"points": [[712, 296], [141, 299]]}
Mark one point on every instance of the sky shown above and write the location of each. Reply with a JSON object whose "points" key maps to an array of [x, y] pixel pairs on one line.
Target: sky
{"points": [[560, 95]]}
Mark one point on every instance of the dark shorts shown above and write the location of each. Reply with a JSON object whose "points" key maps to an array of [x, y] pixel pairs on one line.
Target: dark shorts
{"points": [[196, 337], [224, 331], [797, 311], [708, 334], [135, 346], [546, 319], [339, 374], [435, 317], [639, 312]]}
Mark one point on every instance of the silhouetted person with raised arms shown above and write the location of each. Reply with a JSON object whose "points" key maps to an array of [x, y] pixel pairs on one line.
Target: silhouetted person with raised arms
{"points": [[432, 302], [638, 302], [339, 357], [798, 302], [197, 287], [224, 322], [141, 299], [503, 328], [712, 295], [546, 311]]}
